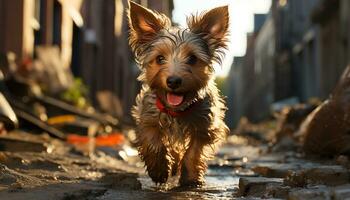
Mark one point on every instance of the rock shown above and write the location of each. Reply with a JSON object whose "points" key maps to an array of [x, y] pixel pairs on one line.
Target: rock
{"points": [[341, 192], [290, 119], [317, 193], [301, 174], [5, 177], [271, 158], [323, 129], [343, 160], [328, 175], [296, 179], [285, 144], [276, 170], [258, 186], [122, 180], [326, 130], [18, 145]]}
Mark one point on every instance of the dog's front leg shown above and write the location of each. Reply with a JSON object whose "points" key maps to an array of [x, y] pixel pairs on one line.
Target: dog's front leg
{"points": [[193, 164], [154, 153]]}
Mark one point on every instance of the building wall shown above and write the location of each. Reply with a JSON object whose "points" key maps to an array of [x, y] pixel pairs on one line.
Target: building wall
{"points": [[234, 89], [93, 39], [107, 64], [18, 28], [292, 21], [242, 84], [332, 17], [300, 52], [12, 27], [264, 69], [306, 66], [345, 30]]}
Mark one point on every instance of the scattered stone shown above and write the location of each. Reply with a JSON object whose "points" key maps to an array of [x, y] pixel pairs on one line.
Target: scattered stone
{"points": [[258, 186], [272, 158], [290, 119], [276, 170], [296, 179], [343, 160], [17, 145], [122, 180], [285, 144], [6, 178], [87, 194], [15, 161], [341, 192], [328, 175], [325, 131], [316, 193], [303, 173]]}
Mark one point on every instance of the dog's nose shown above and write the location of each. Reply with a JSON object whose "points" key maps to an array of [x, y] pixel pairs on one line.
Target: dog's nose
{"points": [[173, 82]]}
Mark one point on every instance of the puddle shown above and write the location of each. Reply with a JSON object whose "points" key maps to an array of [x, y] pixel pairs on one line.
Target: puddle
{"points": [[216, 187]]}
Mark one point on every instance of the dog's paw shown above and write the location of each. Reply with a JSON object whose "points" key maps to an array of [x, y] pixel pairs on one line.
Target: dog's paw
{"points": [[191, 183], [158, 177], [158, 166], [159, 172]]}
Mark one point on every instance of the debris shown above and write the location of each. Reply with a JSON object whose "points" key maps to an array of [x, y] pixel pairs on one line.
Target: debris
{"points": [[257, 186], [319, 192], [290, 118], [20, 145], [59, 107], [341, 192], [49, 72], [326, 130], [327, 175], [121, 180], [112, 139], [77, 125], [7, 115], [40, 125], [61, 119]]}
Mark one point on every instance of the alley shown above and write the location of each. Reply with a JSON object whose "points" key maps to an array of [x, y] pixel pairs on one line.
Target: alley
{"points": [[70, 74]]}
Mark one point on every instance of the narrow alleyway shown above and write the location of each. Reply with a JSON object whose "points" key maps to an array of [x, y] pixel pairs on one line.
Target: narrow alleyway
{"points": [[246, 166], [68, 81]]}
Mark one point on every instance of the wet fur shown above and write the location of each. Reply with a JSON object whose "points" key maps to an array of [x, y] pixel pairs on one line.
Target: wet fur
{"points": [[167, 144]]}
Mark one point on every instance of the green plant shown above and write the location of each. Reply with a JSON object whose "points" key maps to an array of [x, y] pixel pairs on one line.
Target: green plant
{"points": [[76, 94]]}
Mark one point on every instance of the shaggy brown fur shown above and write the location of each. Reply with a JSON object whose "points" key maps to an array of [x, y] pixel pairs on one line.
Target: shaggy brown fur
{"points": [[169, 144]]}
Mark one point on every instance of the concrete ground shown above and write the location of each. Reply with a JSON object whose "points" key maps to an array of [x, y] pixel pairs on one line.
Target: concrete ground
{"points": [[38, 167]]}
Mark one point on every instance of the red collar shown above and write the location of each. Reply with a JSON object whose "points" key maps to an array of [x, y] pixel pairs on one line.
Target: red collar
{"points": [[161, 107]]}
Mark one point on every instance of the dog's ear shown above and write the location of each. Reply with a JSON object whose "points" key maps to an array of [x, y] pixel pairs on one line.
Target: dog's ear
{"points": [[144, 23], [212, 26], [214, 22]]}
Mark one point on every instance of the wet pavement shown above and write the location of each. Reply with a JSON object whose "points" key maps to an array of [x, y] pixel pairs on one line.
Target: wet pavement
{"points": [[39, 167]]}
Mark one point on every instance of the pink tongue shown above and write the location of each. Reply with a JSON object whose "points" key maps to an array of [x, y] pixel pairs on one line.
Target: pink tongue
{"points": [[174, 100]]}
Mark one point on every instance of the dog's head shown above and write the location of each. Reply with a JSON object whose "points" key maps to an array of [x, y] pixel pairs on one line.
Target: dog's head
{"points": [[177, 63]]}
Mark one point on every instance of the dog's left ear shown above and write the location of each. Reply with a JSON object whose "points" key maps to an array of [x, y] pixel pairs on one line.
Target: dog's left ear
{"points": [[144, 23], [212, 25]]}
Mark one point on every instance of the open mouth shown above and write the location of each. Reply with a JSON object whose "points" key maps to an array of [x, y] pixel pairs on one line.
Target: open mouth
{"points": [[174, 99]]}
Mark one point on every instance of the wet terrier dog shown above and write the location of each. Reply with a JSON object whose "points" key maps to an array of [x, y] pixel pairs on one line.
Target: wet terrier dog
{"points": [[179, 111]]}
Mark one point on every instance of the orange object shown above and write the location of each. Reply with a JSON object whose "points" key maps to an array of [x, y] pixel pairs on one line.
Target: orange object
{"points": [[104, 140], [77, 139], [61, 119], [110, 140]]}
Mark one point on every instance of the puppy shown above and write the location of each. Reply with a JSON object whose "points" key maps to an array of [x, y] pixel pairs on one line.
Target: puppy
{"points": [[179, 112]]}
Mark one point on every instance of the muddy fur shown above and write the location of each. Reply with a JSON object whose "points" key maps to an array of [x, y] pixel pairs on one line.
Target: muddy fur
{"points": [[170, 145]]}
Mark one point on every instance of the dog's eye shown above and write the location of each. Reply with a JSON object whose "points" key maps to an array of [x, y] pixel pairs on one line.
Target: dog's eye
{"points": [[191, 60], [160, 60]]}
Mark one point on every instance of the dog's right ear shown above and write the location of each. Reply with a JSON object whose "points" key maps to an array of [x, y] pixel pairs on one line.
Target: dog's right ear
{"points": [[144, 23]]}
